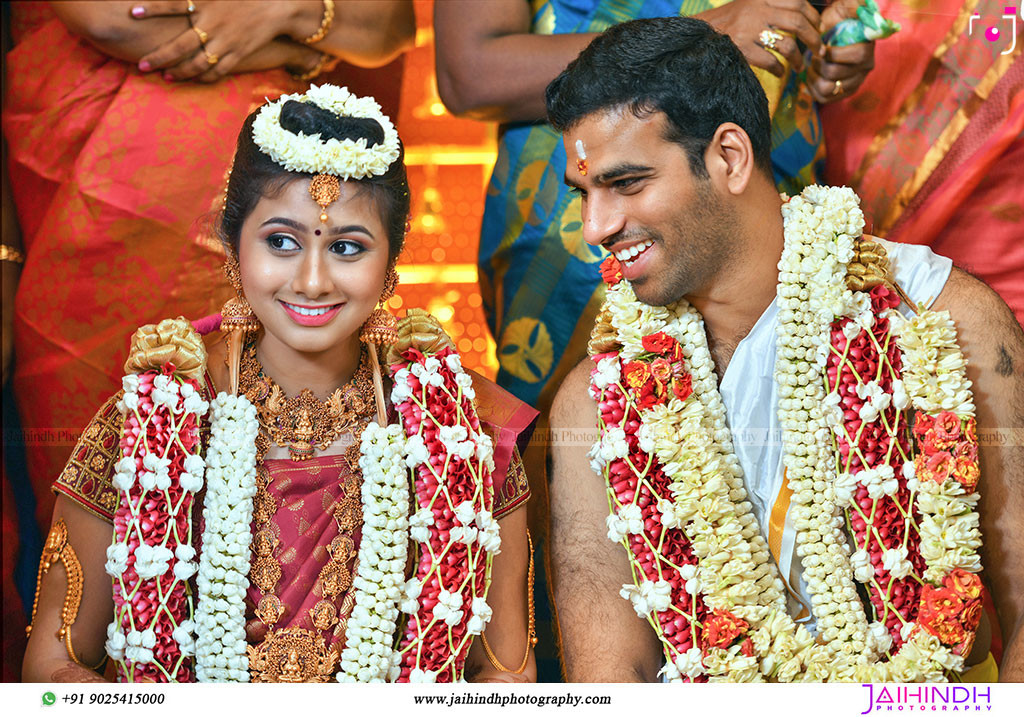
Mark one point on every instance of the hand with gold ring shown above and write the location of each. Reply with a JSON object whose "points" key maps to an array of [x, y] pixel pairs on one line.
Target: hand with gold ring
{"points": [[769, 38], [836, 73], [764, 30], [216, 41]]}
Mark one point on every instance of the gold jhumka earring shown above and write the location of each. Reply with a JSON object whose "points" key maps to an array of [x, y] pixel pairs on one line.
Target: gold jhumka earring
{"points": [[381, 330], [237, 319]]}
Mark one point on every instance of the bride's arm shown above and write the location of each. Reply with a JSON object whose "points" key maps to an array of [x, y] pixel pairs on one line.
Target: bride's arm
{"points": [[507, 634], [47, 658]]}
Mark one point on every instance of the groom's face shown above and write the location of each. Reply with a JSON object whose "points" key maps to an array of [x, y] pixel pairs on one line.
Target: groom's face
{"points": [[642, 202]]}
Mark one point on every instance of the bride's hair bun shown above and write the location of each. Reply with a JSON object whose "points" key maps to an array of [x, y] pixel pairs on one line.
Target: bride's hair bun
{"points": [[309, 119]]}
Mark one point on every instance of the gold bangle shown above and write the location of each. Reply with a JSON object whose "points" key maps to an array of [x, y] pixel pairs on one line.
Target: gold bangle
{"points": [[315, 72], [9, 253], [531, 634], [325, 24]]}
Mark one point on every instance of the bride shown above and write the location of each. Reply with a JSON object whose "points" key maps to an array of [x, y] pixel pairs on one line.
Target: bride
{"points": [[314, 492]]}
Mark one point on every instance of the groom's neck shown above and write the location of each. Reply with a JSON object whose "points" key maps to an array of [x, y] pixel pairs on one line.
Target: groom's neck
{"points": [[735, 299]]}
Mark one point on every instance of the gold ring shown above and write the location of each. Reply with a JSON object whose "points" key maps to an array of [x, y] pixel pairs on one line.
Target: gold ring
{"points": [[191, 7], [838, 89], [211, 57], [203, 37], [769, 38]]}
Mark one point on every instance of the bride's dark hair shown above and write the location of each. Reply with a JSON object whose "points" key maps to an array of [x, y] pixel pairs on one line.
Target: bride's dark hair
{"points": [[255, 175]]}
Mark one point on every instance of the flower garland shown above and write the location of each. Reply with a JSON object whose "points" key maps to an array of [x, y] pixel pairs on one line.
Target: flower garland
{"points": [[456, 534], [702, 574], [224, 562], [345, 158], [151, 556], [379, 579], [439, 443]]}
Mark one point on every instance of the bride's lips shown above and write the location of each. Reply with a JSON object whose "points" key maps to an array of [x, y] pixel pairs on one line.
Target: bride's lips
{"points": [[316, 319]]}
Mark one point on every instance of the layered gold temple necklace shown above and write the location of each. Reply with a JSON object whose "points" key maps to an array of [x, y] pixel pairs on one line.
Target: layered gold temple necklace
{"points": [[303, 424]]}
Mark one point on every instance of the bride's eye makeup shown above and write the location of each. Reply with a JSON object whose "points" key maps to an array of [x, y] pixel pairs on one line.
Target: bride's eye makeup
{"points": [[282, 242]]}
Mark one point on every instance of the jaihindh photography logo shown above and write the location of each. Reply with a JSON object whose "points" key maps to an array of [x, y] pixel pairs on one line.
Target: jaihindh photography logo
{"points": [[928, 698]]}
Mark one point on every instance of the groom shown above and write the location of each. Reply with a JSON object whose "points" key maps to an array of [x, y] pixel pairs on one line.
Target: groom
{"points": [[667, 133]]}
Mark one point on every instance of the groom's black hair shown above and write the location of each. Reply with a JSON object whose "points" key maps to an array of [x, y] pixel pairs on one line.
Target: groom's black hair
{"points": [[677, 65]]}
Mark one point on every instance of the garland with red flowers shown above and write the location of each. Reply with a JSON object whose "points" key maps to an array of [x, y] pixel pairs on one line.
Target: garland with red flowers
{"points": [[151, 558], [440, 441], [455, 532], [702, 574]]}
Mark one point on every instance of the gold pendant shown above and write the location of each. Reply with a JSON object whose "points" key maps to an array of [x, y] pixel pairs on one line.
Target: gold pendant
{"points": [[292, 654]]}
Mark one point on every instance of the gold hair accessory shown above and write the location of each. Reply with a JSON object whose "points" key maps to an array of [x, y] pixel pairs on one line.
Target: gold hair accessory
{"points": [[59, 550], [325, 190], [9, 253], [531, 630], [325, 24]]}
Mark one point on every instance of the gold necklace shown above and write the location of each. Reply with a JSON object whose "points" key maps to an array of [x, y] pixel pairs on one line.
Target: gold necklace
{"points": [[296, 654], [303, 423]]}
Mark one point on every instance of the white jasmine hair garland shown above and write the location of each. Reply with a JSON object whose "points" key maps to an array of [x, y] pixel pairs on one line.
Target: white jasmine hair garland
{"points": [[224, 562], [696, 570], [345, 159]]}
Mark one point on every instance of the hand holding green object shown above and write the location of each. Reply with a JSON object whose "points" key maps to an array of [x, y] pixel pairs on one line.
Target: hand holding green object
{"points": [[867, 26]]}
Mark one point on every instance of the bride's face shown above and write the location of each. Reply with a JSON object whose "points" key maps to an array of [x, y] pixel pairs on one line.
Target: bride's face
{"points": [[312, 285]]}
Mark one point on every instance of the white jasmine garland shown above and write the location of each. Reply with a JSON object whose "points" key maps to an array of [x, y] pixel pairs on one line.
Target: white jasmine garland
{"points": [[385, 532], [345, 159], [220, 646], [693, 445]]}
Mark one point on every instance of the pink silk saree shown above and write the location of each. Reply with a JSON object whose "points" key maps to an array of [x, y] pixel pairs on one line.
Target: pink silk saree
{"points": [[933, 141]]}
